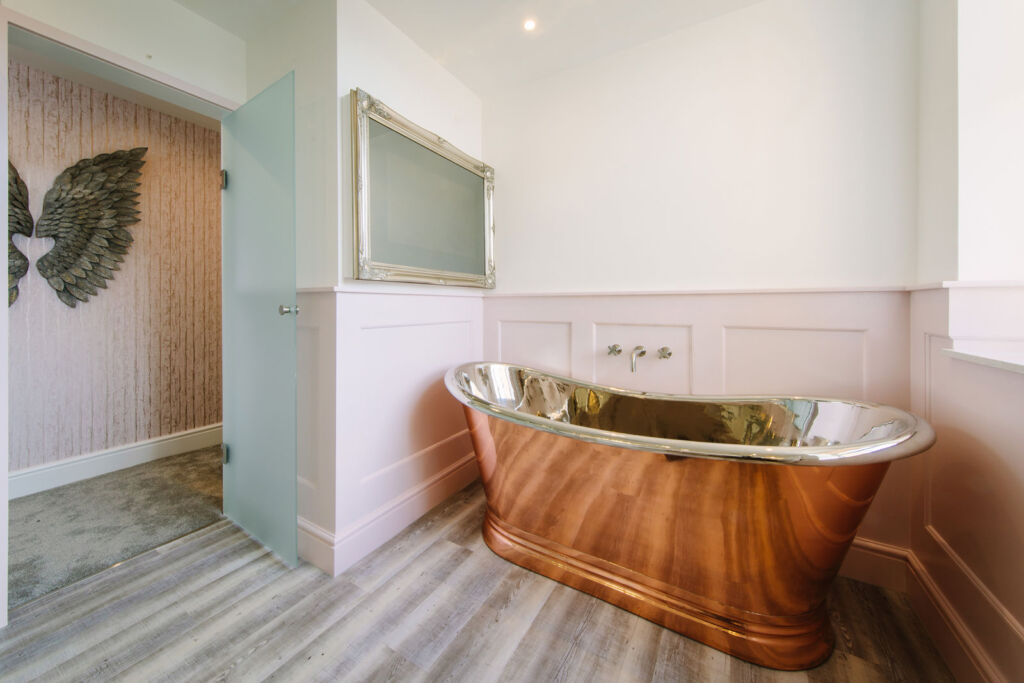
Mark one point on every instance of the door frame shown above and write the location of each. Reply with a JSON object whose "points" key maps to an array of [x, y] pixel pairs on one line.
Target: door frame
{"points": [[9, 18]]}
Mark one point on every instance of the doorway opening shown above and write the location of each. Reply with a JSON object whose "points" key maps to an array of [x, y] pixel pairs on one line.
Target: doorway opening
{"points": [[115, 402]]}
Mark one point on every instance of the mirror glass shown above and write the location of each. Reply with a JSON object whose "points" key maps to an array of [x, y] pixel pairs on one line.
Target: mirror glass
{"points": [[425, 211]]}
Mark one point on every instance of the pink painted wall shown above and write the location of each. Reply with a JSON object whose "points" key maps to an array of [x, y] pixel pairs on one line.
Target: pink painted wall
{"points": [[141, 359], [843, 344], [967, 515]]}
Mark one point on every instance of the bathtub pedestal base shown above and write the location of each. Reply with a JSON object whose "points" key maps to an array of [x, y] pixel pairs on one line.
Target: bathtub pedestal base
{"points": [[737, 555], [786, 642]]}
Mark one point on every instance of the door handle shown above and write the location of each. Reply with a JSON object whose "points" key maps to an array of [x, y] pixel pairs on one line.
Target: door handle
{"points": [[285, 310]]}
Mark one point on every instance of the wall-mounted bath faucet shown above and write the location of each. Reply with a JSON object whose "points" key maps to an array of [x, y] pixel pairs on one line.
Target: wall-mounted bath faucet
{"points": [[638, 352]]}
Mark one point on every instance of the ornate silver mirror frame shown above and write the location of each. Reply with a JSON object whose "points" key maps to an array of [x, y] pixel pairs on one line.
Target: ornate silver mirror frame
{"points": [[364, 108]]}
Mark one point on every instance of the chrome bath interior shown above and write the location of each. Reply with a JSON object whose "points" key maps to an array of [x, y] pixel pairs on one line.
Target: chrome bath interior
{"points": [[789, 430]]}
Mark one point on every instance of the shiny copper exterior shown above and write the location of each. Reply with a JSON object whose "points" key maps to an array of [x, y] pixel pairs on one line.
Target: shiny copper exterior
{"points": [[722, 518], [737, 555]]}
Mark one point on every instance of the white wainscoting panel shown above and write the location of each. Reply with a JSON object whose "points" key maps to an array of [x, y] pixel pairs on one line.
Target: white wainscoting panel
{"points": [[794, 361], [402, 444], [668, 375], [316, 350], [945, 525], [852, 344], [873, 326], [406, 365], [542, 345], [967, 523], [308, 342]]}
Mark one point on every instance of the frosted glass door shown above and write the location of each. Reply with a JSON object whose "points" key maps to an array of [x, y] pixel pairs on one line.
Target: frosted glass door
{"points": [[258, 152]]}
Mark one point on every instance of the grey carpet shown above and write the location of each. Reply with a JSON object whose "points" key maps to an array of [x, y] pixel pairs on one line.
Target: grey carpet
{"points": [[65, 534]]}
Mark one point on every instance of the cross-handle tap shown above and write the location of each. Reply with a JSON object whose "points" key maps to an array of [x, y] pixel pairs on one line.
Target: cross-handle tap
{"points": [[638, 352]]}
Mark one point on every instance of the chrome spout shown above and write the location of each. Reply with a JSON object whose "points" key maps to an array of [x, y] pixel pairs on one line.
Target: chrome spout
{"points": [[638, 352]]}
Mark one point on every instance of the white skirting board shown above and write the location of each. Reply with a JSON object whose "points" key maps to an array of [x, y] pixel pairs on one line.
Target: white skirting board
{"points": [[877, 563], [48, 476], [334, 554], [880, 564]]}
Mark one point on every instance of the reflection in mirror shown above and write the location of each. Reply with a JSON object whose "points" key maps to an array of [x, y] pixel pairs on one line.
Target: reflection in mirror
{"points": [[423, 208]]}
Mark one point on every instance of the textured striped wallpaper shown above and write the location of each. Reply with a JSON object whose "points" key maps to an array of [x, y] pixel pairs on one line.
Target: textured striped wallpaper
{"points": [[141, 359]]}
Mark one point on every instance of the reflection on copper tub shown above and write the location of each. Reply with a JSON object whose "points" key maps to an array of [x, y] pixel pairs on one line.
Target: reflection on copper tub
{"points": [[722, 518]]}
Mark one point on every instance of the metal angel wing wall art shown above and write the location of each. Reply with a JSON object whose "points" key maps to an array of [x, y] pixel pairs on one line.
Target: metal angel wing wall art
{"points": [[87, 213], [19, 220]]}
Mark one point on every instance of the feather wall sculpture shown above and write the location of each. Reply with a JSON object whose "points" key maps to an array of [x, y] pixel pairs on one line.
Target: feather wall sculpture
{"points": [[19, 220], [87, 213]]}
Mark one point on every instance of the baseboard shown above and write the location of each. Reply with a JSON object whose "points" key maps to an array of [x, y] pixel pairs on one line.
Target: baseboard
{"points": [[898, 568], [317, 546], [67, 471], [963, 653], [334, 553], [877, 563]]}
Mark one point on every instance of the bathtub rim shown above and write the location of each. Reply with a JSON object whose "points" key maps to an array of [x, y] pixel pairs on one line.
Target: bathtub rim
{"points": [[917, 438]]}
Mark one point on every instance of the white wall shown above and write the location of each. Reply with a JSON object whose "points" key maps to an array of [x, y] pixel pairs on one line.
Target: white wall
{"points": [[376, 56], [937, 142], [772, 147], [380, 440], [158, 33], [305, 41], [991, 149], [966, 533]]}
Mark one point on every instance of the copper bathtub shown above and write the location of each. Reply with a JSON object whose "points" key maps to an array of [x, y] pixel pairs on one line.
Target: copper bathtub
{"points": [[724, 519]]}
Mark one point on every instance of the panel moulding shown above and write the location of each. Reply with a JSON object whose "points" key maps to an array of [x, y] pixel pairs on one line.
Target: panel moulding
{"points": [[681, 353], [409, 459], [552, 339], [957, 630], [862, 354], [994, 602], [919, 581]]}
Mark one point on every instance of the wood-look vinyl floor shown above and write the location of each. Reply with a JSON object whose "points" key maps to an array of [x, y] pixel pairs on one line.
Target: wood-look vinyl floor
{"points": [[434, 604]]}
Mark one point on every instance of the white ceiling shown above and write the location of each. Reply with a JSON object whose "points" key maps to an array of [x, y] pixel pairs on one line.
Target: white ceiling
{"points": [[482, 42], [244, 18]]}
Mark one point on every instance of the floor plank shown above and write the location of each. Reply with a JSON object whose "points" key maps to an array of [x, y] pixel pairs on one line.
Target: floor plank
{"points": [[223, 632], [121, 615], [434, 604], [496, 629]]}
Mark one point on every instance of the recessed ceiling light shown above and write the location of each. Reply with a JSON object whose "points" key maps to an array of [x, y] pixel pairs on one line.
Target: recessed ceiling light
{"points": [[529, 24]]}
